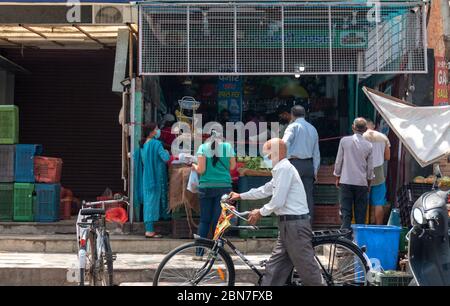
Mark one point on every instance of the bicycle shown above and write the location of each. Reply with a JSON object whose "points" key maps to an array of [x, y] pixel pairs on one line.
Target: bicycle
{"points": [[95, 255], [341, 261]]}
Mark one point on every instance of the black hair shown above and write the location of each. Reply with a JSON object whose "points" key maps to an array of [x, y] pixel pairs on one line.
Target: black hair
{"points": [[146, 131]]}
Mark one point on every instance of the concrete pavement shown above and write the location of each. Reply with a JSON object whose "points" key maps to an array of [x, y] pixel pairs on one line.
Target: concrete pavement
{"points": [[18, 268]]}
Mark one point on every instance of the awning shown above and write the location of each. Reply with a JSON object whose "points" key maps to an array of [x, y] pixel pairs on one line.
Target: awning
{"points": [[424, 131]]}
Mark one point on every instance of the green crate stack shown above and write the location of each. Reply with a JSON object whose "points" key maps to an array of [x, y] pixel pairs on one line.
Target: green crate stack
{"points": [[180, 213], [248, 205], [271, 221], [23, 202], [9, 124], [6, 202], [395, 279], [325, 194]]}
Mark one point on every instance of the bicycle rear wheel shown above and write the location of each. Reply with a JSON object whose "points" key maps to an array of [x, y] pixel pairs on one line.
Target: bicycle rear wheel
{"points": [[180, 267], [341, 261]]}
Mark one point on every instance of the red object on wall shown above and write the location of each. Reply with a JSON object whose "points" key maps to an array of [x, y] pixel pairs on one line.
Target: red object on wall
{"points": [[47, 169]]}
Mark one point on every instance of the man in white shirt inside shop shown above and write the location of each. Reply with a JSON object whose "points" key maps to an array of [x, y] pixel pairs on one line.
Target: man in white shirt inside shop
{"points": [[380, 152], [288, 202]]}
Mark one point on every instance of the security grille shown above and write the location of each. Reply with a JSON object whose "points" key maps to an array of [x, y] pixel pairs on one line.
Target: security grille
{"points": [[282, 38]]}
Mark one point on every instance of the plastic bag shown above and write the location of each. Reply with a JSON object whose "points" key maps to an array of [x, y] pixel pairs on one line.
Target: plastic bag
{"points": [[192, 185]]}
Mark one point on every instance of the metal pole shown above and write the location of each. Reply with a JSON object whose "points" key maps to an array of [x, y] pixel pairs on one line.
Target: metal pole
{"points": [[283, 65], [235, 39], [424, 35], [188, 42], [330, 38], [377, 38], [132, 148]]}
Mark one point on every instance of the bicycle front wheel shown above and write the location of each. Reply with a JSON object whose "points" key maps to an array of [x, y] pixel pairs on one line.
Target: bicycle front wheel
{"points": [[105, 276], [342, 263], [196, 264]]}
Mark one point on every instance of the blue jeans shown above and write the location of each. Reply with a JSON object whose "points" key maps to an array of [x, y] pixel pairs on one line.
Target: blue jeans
{"points": [[210, 208]]}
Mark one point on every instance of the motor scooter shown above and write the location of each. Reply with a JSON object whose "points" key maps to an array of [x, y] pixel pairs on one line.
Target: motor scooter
{"points": [[429, 243]]}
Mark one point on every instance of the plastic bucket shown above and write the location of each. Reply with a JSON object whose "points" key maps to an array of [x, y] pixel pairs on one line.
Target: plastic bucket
{"points": [[381, 241]]}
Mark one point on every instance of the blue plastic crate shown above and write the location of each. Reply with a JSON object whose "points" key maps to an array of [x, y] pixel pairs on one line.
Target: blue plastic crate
{"points": [[46, 207], [24, 166]]}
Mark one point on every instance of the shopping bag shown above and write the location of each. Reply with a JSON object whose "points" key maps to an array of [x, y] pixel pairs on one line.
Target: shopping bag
{"points": [[192, 185]]}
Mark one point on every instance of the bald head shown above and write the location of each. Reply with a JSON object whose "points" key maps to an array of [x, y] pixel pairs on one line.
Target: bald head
{"points": [[359, 125], [276, 148]]}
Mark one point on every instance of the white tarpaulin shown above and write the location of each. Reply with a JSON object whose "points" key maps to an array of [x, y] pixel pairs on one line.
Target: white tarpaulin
{"points": [[424, 131]]}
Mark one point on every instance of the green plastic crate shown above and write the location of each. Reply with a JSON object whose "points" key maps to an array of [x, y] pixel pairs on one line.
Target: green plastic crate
{"points": [[9, 124], [248, 205], [180, 213], [395, 279], [262, 233], [6, 202], [23, 202], [325, 194]]}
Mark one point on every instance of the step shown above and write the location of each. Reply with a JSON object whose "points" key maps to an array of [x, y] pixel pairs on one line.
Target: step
{"points": [[17, 268], [119, 243], [62, 227]]}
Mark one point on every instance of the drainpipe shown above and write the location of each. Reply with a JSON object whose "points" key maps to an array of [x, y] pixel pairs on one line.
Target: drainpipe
{"points": [[445, 12]]}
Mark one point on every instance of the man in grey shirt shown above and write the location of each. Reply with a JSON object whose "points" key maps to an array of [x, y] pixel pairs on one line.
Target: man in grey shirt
{"points": [[354, 171], [302, 141]]}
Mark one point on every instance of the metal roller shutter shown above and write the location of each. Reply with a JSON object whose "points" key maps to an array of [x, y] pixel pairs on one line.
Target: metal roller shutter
{"points": [[67, 105]]}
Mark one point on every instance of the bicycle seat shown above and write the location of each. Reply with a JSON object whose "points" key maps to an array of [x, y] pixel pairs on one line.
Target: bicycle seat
{"points": [[92, 211]]}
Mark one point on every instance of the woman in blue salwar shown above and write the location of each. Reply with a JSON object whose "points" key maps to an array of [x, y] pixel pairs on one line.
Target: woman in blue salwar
{"points": [[151, 175]]}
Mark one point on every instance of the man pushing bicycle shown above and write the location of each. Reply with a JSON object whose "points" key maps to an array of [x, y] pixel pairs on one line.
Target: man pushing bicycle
{"points": [[294, 247]]}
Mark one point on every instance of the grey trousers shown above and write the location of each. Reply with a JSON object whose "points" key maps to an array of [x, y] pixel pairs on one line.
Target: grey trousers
{"points": [[293, 249], [305, 169]]}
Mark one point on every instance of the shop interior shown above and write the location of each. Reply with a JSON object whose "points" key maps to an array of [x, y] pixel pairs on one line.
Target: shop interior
{"points": [[245, 98]]}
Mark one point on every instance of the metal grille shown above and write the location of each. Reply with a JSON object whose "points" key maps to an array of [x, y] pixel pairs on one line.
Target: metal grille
{"points": [[282, 38]]}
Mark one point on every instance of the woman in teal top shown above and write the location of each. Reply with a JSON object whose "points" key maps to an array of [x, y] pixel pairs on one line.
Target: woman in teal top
{"points": [[154, 178], [215, 159]]}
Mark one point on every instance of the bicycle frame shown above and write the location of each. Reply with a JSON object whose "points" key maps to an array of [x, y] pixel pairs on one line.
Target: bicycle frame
{"points": [[87, 225]]}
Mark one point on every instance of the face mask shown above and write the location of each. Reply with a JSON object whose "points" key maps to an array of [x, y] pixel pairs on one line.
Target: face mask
{"points": [[267, 161], [158, 133]]}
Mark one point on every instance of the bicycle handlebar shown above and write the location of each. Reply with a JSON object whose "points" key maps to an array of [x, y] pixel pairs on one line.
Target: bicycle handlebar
{"points": [[240, 215], [107, 202]]}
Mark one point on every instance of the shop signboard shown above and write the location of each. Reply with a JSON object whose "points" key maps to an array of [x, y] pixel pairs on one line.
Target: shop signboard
{"points": [[229, 96], [440, 81], [257, 38]]}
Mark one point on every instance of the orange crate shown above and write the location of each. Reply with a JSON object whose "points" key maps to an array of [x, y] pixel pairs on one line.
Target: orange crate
{"points": [[47, 169], [327, 214]]}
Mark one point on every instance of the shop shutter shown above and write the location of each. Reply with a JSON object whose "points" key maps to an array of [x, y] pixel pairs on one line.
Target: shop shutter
{"points": [[66, 104]]}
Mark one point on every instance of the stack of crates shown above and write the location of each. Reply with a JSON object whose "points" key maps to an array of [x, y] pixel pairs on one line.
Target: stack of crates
{"points": [[326, 204], [9, 136], [269, 225]]}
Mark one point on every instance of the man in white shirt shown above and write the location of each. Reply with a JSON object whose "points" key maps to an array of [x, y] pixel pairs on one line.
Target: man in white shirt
{"points": [[294, 246], [380, 152], [302, 141]]}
